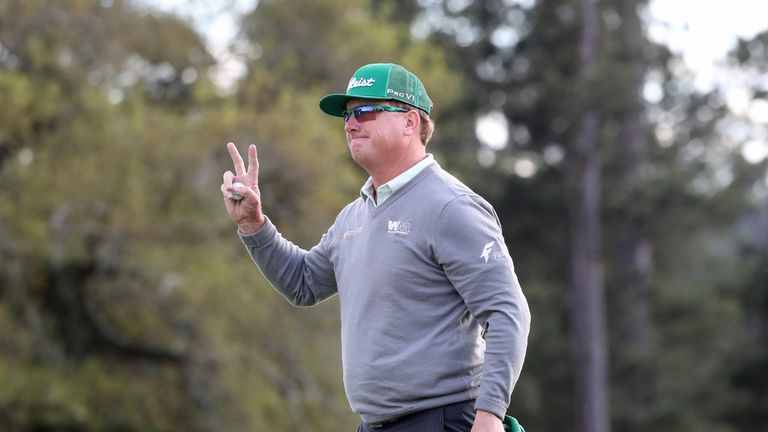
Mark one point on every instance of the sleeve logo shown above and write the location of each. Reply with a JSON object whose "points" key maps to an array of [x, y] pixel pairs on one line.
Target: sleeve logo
{"points": [[487, 251]]}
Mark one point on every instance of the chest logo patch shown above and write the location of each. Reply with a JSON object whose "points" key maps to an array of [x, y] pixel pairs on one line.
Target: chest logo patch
{"points": [[351, 233], [398, 227]]}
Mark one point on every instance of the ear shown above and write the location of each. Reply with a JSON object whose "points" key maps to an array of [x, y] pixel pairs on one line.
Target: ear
{"points": [[413, 123]]}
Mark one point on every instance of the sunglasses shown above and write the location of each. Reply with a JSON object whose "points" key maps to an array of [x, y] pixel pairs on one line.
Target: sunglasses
{"points": [[368, 112]]}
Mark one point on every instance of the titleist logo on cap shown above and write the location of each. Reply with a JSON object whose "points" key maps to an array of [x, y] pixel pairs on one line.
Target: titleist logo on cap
{"points": [[362, 82]]}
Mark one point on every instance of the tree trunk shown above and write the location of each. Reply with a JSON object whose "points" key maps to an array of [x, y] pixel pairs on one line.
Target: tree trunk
{"points": [[584, 166], [763, 211], [635, 328]]}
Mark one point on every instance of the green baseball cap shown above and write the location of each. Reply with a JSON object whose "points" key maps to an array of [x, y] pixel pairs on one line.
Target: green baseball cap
{"points": [[385, 81]]}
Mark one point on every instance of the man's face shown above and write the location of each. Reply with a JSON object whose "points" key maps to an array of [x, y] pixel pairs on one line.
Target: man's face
{"points": [[376, 139]]}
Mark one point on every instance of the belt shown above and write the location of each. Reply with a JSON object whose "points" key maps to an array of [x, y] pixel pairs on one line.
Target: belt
{"points": [[381, 424]]}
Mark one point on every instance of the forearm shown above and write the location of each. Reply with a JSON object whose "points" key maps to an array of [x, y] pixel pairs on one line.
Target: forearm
{"points": [[505, 346], [302, 279]]}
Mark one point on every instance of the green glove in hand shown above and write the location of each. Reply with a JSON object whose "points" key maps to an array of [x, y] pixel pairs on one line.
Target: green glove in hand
{"points": [[511, 425]]}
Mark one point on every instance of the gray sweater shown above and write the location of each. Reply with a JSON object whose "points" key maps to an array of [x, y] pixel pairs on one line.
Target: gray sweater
{"points": [[431, 309]]}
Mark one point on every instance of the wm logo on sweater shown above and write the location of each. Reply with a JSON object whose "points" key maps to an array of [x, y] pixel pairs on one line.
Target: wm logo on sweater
{"points": [[398, 227]]}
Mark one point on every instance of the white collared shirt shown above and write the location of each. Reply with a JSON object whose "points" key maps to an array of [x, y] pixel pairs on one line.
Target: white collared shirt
{"points": [[387, 189]]}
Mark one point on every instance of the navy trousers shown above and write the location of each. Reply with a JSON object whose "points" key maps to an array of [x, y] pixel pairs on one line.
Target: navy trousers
{"points": [[457, 417]]}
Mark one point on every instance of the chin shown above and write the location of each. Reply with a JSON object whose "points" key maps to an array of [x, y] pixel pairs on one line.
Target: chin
{"points": [[357, 147], [359, 158]]}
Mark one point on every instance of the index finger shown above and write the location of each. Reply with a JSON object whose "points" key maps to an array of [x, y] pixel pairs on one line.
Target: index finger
{"points": [[236, 159], [253, 162]]}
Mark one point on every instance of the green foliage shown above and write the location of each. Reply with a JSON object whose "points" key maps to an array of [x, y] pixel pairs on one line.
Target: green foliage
{"points": [[126, 301], [689, 200], [128, 304]]}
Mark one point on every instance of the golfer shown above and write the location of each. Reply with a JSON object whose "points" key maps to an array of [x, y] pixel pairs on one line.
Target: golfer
{"points": [[434, 325]]}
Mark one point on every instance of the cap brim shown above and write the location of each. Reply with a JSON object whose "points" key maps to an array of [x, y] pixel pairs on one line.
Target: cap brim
{"points": [[334, 104]]}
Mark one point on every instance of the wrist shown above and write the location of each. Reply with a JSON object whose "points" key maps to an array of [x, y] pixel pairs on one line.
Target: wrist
{"points": [[487, 415], [251, 227]]}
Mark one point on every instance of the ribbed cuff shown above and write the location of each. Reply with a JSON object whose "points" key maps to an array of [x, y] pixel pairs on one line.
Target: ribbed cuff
{"points": [[499, 410], [260, 237]]}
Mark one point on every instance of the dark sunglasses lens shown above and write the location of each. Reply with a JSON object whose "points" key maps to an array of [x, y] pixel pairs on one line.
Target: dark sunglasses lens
{"points": [[365, 115], [362, 113]]}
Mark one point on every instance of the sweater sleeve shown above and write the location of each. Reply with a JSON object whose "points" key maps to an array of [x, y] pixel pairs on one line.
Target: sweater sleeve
{"points": [[470, 247], [303, 277]]}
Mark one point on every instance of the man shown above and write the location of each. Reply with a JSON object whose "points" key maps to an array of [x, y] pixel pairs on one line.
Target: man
{"points": [[434, 324]]}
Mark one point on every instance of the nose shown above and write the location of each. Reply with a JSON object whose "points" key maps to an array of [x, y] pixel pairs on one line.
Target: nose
{"points": [[351, 125]]}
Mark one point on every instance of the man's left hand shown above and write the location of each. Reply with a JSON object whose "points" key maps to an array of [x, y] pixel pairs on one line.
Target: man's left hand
{"points": [[487, 422]]}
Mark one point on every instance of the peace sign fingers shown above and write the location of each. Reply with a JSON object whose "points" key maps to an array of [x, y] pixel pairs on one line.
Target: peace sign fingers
{"points": [[253, 164], [236, 159], [243, 201]]}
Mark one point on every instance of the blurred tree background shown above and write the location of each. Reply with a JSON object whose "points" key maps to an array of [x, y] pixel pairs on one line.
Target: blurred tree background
{"points": [[637, 220]]}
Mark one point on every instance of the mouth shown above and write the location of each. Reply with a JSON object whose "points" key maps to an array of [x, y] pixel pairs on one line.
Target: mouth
{"points": [[357, 139]]}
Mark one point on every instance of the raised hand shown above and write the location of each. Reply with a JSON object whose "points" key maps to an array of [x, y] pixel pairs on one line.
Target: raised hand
{"points": [[246, 212]]}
